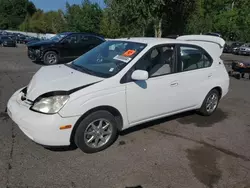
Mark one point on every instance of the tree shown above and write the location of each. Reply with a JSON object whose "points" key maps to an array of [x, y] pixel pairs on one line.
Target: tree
{"points": [[85, 17], [14, 12]]}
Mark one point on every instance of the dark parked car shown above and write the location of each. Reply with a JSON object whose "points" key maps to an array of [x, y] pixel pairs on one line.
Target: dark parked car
{"points": [[20, 38], [30, 40], [7, 41], [235, 47], [172, 36], [63, 47], [244, 49], [13, 37]]}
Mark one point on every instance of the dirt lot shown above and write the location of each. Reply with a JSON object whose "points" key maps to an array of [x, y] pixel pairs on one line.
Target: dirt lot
{"points": [[184, 151]]}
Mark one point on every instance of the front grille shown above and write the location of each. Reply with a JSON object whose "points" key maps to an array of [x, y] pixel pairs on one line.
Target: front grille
{"points": [[31, 53]]}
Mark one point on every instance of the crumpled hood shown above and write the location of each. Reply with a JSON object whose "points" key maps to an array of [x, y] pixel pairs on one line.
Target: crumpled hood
{"points": [[57, 78], [41, 43]]}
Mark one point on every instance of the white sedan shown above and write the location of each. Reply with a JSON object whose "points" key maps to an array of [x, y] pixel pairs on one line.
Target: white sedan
{"points": [[117, 85]]}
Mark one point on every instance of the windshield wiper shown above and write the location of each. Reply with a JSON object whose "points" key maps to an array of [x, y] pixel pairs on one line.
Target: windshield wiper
{"points": [[80, 68]]}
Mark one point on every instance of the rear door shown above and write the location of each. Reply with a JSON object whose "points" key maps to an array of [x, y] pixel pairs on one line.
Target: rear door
{"points": [[195, 74], [87, 42]]}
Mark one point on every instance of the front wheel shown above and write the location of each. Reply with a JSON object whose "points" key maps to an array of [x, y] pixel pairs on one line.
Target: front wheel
{"points": [[96, 132], [50, 58], [210, 103]]}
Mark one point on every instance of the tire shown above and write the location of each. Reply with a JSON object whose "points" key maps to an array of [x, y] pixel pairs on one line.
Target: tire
{"points": [[204, 111], [111, 131], [50, 58]]}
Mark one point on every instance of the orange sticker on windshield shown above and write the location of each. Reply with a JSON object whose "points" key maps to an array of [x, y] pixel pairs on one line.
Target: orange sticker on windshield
{"points": [[129, 53]]}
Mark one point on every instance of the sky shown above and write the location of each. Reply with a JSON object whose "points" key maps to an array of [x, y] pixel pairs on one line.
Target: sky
{"points": [[48, 5]]}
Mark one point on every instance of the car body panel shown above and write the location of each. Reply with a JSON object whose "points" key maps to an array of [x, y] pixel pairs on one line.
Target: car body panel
{"points": [[65, 51], [58, 78]]}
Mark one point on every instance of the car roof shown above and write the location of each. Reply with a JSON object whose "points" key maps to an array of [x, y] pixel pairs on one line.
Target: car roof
{"points": [[213, 45], [88, 33], [147, 40], [151, 41]]}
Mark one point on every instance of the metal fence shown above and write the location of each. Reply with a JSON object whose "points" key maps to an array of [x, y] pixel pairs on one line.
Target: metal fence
{"points": [[38, 35]]}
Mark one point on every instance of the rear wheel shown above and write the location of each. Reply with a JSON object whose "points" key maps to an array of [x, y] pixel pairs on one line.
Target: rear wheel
{"points": [[50, 58], [210, 103], [96, 132]]}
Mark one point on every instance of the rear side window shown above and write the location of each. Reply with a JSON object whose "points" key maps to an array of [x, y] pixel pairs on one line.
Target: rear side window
{"points": [[89, 39], [192, 58]]}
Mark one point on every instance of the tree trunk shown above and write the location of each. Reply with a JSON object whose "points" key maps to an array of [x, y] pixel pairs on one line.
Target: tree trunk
{"points": [[143, 31], [158, 28]]}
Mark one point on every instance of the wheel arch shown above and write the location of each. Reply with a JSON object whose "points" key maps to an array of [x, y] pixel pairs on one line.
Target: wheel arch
{"points": [[219, 89], [110, 109], [51, 50]]}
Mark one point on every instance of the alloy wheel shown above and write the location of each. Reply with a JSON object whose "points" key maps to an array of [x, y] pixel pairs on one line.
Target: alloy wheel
{"points": [[212, 102], [98, 133], [51, 58]]}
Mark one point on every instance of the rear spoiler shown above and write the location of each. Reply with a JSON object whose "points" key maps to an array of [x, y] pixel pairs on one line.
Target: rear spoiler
{"points": [[203, 38], [212, 43]]}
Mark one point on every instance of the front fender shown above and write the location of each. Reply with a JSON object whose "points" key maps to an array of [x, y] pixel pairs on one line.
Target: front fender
{"points": [[115, 98]]}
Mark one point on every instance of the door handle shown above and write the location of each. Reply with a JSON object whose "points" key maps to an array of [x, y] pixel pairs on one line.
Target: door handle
{"points": [[210, 75], [174, 84]]}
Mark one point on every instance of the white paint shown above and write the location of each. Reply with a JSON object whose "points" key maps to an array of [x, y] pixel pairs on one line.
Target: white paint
{"points": [[137, 101]]}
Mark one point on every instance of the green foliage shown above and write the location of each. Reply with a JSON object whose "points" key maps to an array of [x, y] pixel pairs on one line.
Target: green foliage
{"points": [[14, 12], [122, 18], [85, 17]]}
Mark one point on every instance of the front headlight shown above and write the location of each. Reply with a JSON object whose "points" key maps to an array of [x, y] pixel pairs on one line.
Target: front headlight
{"points": [[50, 105]]}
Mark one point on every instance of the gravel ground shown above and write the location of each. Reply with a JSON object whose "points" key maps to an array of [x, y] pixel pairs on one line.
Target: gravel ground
{"points": [[183, 151]]}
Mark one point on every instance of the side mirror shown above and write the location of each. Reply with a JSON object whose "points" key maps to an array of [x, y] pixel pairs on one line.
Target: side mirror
{"points": [[139, 75]]}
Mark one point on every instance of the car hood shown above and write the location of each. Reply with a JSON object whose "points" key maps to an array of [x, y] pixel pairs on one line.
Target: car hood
{"points": [[32, 41], [58, 78], [41, 43]]}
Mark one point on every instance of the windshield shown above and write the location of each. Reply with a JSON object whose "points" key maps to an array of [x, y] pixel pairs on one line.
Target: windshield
{"points": [[57, 37], [107, 59]]}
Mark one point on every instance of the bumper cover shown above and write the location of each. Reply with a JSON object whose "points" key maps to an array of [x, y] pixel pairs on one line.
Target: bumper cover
{"points": [[41, 128], [34, 55]]}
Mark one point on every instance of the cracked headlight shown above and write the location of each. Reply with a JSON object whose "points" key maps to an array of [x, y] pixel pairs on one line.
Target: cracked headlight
{"points": [[50, 105]]}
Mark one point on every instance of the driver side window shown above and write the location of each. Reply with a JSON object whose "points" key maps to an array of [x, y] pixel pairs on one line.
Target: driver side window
{"points": [[158, 61], [72, 39]]}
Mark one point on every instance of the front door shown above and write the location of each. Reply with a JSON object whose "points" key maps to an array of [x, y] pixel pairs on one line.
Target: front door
{"points": [[68, 47], [160, 94]]}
